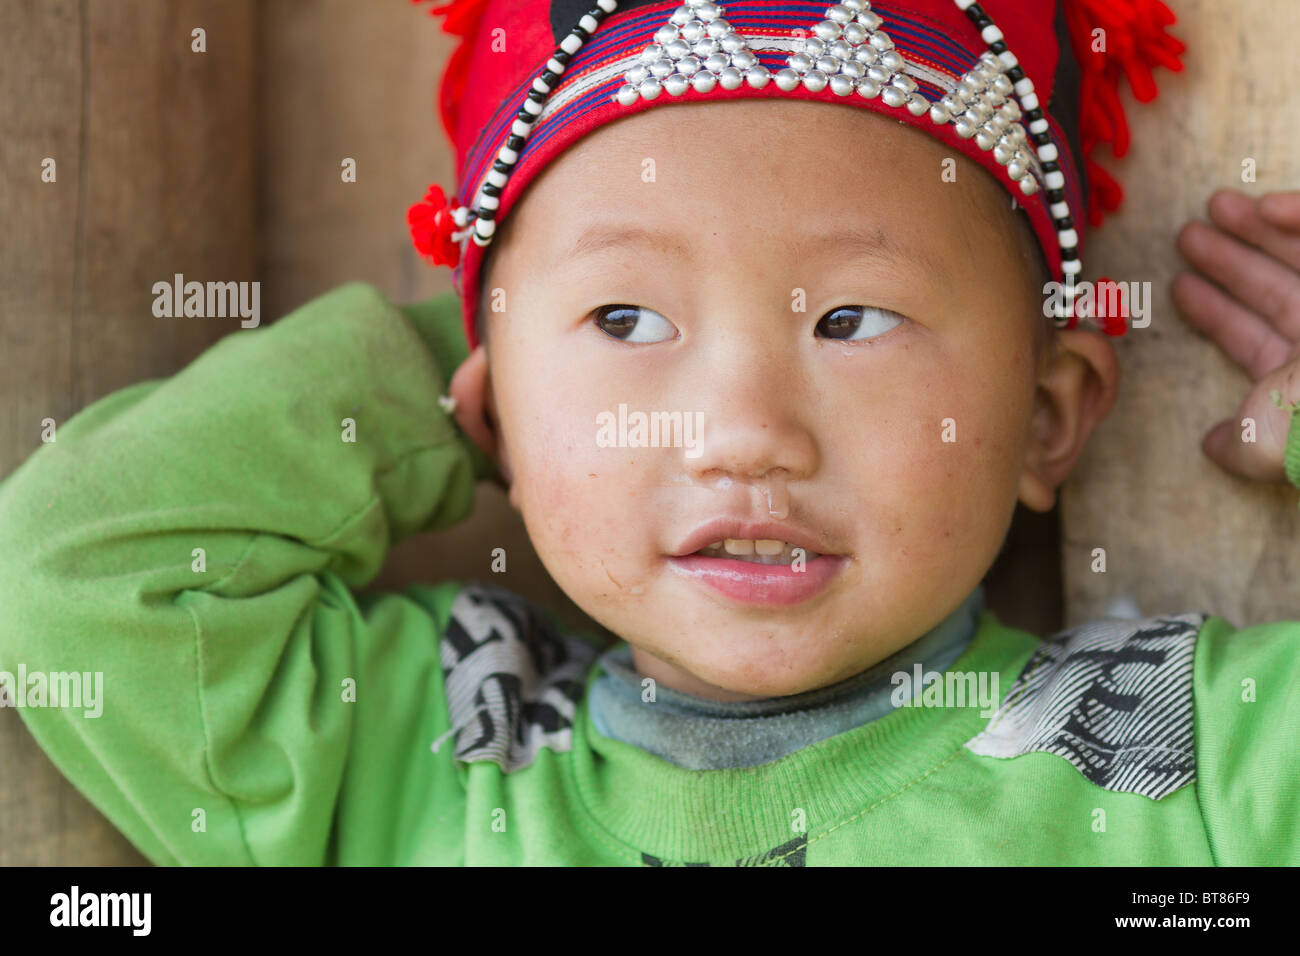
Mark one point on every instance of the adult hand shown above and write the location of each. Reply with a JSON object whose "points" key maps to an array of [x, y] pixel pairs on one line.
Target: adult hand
{"points": [[1244, 294]]}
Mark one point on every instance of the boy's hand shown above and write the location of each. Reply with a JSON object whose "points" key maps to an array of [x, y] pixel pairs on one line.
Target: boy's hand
{"points": [[1245, 295]]}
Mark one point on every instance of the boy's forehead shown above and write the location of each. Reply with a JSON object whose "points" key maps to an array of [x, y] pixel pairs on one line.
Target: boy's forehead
{"points": [[805, 169], [749, 132]]}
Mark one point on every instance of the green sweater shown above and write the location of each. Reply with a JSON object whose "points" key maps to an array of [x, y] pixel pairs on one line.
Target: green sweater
{"points": [[198, 541]]}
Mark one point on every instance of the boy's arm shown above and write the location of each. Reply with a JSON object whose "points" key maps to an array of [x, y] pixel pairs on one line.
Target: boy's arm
{"points": [[1248, 731], [195, 539]]}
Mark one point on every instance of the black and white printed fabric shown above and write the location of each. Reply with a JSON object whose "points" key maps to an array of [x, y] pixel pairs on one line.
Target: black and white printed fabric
{"points": [[1113, 697], [511, 678]]}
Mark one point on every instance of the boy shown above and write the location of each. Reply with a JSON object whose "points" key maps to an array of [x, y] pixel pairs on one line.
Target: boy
{"points": [[788, 586]]}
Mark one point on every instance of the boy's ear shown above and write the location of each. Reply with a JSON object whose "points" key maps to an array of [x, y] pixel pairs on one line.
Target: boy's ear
{"points": [[471, 387], [1077, 388]]}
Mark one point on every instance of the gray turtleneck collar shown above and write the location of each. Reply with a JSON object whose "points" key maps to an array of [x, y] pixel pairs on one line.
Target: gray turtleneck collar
{"points": [[702, 734]]}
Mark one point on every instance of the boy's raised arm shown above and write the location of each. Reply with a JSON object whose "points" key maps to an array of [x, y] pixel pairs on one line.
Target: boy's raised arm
{"points": [[194, 541]]}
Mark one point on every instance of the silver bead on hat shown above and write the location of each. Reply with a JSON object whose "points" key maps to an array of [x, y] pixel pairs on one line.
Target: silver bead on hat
{"points": [[697, 48]]}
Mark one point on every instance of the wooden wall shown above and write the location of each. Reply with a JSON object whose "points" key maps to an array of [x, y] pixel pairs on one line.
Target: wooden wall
{"points": [[226, 165], [154, 164], [1180, 533]]}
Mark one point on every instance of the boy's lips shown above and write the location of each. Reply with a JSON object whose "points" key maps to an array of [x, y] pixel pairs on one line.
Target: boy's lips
{"points": [[751, 583], [720, 529], [748, 582]]}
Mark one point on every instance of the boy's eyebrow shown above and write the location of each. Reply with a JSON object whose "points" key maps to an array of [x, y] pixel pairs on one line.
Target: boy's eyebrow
{"points": [[849, 242]]}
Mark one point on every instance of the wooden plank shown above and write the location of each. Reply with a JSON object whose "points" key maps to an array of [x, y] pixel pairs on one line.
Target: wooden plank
{"points": [[154, 154], [341, 80], [1181, 534]]}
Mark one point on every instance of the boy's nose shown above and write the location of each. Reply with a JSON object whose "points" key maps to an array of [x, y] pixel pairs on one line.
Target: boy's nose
{"points": [[754, 398], [747, 439]]}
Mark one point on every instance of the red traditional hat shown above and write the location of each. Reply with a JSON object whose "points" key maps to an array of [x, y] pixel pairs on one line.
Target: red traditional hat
{"points": [[1028, 96]]}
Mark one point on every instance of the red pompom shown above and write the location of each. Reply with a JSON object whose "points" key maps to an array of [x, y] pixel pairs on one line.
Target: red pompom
{"points": [[1110, 39], [1115, 324], [462, 19], [1103, 303], [431, 225]]}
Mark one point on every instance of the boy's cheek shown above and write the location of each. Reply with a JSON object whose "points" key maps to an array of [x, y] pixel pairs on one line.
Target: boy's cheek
{"points": [[597, 561], [583, 512], [952, 477]]}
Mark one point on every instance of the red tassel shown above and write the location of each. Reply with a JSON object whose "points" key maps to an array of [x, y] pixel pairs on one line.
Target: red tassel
{"points": [[431, 228], [462, 19], [1116, 324], [1106, 194], [1103, 295], [1135, 40]]}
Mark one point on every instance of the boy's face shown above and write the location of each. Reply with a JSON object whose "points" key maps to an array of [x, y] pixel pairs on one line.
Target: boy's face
{"points": [[901, 432]]}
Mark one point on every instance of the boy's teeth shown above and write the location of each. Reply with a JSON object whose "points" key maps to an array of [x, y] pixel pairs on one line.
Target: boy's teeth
{"points": [[760, 551]]}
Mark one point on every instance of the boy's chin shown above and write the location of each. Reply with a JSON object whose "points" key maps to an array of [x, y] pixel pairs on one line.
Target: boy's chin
{"points": [[768, 673]]}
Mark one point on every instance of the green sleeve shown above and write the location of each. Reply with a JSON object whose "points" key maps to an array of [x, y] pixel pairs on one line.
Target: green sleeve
{"points": [[196, 541], [439, 322], [1247, 711]]}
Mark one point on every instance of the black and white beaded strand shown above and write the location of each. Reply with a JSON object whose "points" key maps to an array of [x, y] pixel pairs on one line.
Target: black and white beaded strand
{"points": [[483, 215], [1054, 179]]}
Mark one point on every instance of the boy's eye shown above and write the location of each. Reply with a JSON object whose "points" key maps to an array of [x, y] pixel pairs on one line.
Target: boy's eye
{"points": [[857, 322], [634, 323]]}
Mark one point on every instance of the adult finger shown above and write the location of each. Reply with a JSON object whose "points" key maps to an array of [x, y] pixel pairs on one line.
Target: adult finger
{"points": [[1253, 443], [1281, 209], [1253, 277], [1244, 336], [1243, 216]]}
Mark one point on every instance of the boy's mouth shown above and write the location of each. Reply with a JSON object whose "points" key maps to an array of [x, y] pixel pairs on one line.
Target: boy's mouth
{"points": [[772, 564], [759, 542], [759, 551]]}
